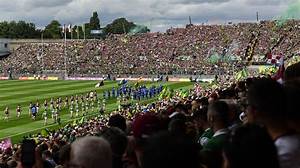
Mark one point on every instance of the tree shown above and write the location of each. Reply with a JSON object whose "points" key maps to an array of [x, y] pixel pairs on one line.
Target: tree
{"points": [[19, 29], [53, 30], [94, 22], [119, 26]]}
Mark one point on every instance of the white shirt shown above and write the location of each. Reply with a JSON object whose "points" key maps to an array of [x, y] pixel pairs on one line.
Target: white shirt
{"points": [[288, 149]]}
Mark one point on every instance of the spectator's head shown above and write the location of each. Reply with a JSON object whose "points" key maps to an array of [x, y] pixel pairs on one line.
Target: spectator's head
{"points": [[118, 121], [64, 154], [266, 102], [145, 125], [118, 143], [91, 152], [292, 89], [218, 115], [168, 150], [200, 117], [292, 72], [117, 139], [250, 146]]}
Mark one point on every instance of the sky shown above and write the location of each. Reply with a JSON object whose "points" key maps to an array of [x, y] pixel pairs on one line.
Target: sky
{"points": [[158, 15]]}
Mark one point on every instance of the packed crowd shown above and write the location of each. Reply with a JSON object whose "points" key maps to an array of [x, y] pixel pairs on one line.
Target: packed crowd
{"points": [[178, 51], [251, 123]]}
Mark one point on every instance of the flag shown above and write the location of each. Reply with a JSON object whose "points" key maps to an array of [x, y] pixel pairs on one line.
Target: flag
{"points": [[74, 123], [241, 74], [83, 27], [70, 28], [280, 72], [44, 133], [81, 120], [64, 28]]}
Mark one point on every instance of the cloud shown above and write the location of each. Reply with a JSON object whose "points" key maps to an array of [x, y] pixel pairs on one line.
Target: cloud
{"points": [[157, 14]]}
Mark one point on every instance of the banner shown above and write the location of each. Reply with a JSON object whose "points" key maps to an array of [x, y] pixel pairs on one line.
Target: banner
{"points": [[51, 78], [3, 78], [179, 80], [23, 78], [84, 78]]}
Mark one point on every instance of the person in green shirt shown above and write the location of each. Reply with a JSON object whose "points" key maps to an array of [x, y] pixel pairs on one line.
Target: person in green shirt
{"points": [[218, 118]]}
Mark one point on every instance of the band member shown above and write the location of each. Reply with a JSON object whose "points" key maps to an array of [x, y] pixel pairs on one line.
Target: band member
{"points": [[18, 110], [6, 113], [45, 116], [66, 102], [71, 110], [45, 105]]}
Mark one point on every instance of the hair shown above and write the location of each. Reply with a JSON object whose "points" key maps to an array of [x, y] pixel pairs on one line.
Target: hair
{"points": [[64, 154], [117, 139], [90, 152], [200, 114], [118, 121], [168, 150], [268, 98], [221, 111], [292, 90], [251, 146], [292, 72], [118, 143]]}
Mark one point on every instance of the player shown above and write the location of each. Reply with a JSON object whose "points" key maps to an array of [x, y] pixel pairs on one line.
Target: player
{"points": [[77, 108], [87, 103], [45, 105], [29, 110], [18, 110], [6, 113], [59, 103], [72, 100], [37, 106], [92, 100], [53, 110], [51, 104], [33, 111], [56, 113], [71, 110], [103, 104], [66, 102], [45, 116]]}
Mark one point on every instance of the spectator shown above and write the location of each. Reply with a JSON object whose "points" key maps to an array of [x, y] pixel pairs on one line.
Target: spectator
{"points": [[168, 150], [117, 121], [91, 152], [250, 146], [118, 143], [218, 118], [267, 106]]}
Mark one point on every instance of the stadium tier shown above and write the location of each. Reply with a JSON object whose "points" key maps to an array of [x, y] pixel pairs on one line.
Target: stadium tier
{"points": [[203, 49], [159, 115]]}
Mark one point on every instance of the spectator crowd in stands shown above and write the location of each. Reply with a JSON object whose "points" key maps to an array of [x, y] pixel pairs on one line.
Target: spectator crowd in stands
{"points": [[178, 51], [251, 123]]}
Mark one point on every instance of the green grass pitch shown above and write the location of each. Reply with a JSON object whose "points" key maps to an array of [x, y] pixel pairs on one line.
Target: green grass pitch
{"points": [[17, 92]]}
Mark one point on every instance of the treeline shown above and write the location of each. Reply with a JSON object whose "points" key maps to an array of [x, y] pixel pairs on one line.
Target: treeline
{"points": [[19, 29], [55, 29]]}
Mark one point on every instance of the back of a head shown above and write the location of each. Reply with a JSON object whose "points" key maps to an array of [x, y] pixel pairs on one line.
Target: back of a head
{"points": [[117, 139], [168, 150], [251, 146], [267, 97], [220, 111], [292, 72], [292, 90], [91, 152], [118, 121]]}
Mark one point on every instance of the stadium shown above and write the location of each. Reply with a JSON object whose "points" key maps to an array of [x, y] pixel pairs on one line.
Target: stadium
{"points": [[197, 95]]}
